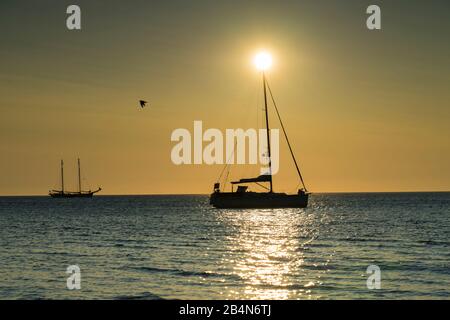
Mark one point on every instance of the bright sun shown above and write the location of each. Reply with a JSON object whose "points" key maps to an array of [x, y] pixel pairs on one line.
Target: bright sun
{"points": [[263, 61]]}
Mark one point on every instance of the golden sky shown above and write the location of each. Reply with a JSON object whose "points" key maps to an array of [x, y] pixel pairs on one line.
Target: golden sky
{"points": [[365, 110]]}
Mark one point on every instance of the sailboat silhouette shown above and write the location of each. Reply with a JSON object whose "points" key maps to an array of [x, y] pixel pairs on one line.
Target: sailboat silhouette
{"points": [[241, 198]]}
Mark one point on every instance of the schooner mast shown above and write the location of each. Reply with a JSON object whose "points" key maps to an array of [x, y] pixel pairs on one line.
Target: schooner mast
{"points": [[79, 176], [62, 176]]}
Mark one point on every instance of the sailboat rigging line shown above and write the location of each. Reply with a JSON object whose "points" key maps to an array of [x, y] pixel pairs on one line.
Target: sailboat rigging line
{"points": [[285, 135], [227, 164], [262, 186], [221, 173], [226, 177]]}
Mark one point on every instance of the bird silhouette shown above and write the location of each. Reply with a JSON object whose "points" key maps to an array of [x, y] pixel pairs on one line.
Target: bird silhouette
{"points": [[143, 103]]}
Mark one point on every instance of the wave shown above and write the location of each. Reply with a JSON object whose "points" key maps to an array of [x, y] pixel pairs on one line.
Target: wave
{"points": [[143, 296], [186, 273]]}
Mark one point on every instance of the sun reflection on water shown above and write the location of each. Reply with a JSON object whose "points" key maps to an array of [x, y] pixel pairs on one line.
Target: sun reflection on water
{"points": [[265, 252]]}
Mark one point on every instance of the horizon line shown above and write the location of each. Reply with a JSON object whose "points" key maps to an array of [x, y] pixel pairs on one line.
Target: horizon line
{"points": [[207, 194]]}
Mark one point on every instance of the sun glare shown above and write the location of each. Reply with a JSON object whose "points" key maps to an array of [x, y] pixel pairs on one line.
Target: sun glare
{"points": [[263, 61]]}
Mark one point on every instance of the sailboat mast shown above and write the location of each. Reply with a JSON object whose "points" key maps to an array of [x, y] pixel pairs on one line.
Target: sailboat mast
{"points": [[62, 176], [267, 131], [79, 175]]}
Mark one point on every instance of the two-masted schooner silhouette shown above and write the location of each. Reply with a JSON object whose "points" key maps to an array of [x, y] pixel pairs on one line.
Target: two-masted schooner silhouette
{"points": [[241, 198], [72, 194]]}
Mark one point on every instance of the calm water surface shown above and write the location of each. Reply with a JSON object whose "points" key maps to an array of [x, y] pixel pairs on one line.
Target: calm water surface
{"points": [[178, 247]]}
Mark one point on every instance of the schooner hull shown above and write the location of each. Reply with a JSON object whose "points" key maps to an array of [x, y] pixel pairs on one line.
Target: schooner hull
{"points": [[255, 200], [72, 195]]}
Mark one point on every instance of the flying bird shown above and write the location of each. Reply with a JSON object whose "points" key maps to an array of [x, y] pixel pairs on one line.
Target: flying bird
{"points": [[143, 103]]}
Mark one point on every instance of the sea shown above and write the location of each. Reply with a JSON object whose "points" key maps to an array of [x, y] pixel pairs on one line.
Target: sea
{"points": [[343, 246]]}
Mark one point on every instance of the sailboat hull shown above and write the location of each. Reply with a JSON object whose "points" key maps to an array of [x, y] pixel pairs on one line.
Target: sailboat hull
{"points": [[255, 200]]}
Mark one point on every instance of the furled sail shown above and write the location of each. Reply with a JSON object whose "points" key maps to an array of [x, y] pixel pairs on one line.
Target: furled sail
{"points": [[261, 178]]}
